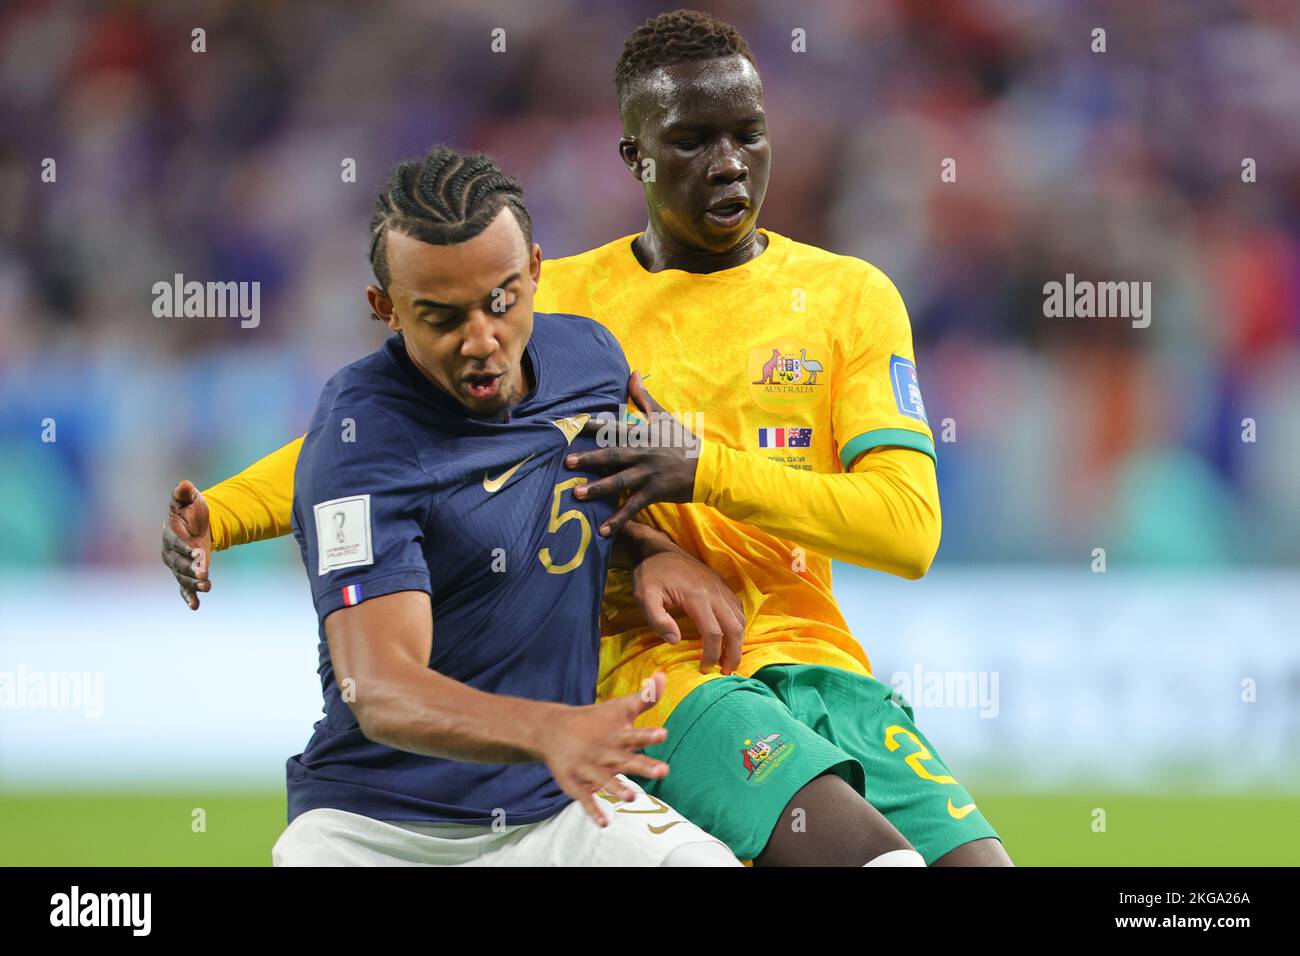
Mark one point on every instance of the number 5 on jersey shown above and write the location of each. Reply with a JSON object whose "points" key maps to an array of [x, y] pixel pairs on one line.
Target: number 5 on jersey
{"points": [[558, 519]]}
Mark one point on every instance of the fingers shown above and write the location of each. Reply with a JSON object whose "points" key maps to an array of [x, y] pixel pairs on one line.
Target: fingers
{"points": [[638, 738], [614, 485], [732, 618], [183, 567], [639, 765], [190, 598], [187, 563], [173, 540], [618, 788], [588, 801], [702, 614], [612, 459], [625, 514], [636, 388], [659, 618]]}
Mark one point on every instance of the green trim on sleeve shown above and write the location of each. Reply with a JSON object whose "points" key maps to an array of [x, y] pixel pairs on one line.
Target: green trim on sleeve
{"points": [[896, 437]]}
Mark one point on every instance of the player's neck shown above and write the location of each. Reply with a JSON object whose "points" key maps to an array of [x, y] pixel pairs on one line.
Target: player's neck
{"points": [[526, 381], [656, 253]]}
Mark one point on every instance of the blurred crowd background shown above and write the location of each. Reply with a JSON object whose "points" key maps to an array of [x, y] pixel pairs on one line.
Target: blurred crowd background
{"points": [[1176, 673], [1070, 434]]}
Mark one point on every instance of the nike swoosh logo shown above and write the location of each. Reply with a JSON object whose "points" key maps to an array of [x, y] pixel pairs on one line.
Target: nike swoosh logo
{"points": [[666, 826], [959, 813], [493, 485]]}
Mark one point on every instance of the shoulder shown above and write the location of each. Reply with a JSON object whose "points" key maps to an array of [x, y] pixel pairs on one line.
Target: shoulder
{"points": [[570, 282], [567, 332], [369, 377], [861, 290], [361, 412], [579, 355], [849, 272], [611, 255]]}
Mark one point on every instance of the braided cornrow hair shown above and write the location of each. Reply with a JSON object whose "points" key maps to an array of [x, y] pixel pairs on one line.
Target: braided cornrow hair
{"points": [[445, 198], [682, 36]]}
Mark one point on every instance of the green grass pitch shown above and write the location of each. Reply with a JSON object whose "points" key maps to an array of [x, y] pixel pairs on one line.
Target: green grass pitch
{"points": [[149, 829]]}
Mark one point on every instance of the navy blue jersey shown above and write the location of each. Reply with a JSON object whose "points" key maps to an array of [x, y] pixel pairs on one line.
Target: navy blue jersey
{"points": [[398, 489]]}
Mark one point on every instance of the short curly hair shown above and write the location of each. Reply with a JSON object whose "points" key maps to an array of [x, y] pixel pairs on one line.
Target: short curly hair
{"points": [[682, 36]]}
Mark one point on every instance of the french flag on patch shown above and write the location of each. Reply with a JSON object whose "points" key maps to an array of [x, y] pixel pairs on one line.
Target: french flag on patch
{"points": [[784, 437], [351, 595]]}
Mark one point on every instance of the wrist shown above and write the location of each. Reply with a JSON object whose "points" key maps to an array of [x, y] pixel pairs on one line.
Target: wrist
{"points": [[543, 723], [217, 524], [706, 471], [640, 542]]}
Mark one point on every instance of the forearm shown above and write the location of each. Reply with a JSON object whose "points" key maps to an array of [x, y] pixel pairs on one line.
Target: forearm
{"points": [[885, 515], [380, 651], [424, 712], [255, 504]]}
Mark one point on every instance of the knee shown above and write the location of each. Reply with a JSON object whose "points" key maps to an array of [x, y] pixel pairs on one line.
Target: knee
{"points": [[828, 823]]}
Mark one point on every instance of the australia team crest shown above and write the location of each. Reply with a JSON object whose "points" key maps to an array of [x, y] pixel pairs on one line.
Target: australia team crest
{"points": [[762, 755], [786, 374]]}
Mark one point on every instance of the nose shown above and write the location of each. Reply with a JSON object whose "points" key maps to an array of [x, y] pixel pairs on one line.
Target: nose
{"points": [[480, 336], [728, 165]]}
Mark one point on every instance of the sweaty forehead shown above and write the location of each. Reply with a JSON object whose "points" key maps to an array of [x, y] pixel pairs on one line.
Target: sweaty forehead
{"points": [[704, 91]]}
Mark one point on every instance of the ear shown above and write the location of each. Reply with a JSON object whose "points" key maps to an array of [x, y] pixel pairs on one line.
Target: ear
{"points": [[382, 306], [629, 150], [535, 265]]}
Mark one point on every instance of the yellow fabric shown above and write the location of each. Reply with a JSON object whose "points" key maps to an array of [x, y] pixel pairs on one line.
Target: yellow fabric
{"points": [[884, 516], [705, 343], [255, 504]]}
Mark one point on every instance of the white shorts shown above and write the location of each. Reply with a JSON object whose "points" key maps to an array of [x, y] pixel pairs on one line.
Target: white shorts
{"points": [[644, 832]]}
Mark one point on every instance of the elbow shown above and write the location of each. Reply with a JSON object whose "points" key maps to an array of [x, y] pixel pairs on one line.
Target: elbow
{"points": [[376, 722], [915, 563], [915, 567], [912, 567]]}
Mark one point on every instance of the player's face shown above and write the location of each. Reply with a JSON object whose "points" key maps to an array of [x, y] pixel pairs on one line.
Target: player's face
{"points": [[465, 311], [704, 126]]}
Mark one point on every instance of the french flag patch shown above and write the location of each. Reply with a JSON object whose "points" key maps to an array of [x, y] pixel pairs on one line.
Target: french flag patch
{"points": [[351, 595], [784, 437]]}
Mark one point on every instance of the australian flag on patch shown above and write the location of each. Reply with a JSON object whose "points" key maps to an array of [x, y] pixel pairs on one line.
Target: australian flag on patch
{"points": [[784, 437]]}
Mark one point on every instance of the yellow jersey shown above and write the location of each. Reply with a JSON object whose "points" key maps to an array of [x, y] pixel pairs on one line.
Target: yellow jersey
{"points": [[800, 356]]}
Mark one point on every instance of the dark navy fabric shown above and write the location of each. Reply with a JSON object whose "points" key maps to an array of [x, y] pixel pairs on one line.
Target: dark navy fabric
{"points": [[502, 622]]}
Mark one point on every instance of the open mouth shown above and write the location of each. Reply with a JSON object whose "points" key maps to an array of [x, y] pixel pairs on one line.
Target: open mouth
{"points": [[727, 213], [482, 384]]}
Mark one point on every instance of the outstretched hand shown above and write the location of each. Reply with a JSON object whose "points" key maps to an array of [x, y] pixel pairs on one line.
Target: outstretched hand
{"points": [[585, 747], [187, 542]]}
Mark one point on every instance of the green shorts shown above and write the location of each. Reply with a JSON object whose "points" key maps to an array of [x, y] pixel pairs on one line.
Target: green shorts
{"points": [[741, 747]]}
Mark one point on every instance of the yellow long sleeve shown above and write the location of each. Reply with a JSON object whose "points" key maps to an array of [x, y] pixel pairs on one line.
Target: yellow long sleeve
{"points": [[257, 503], [884, 515]]}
